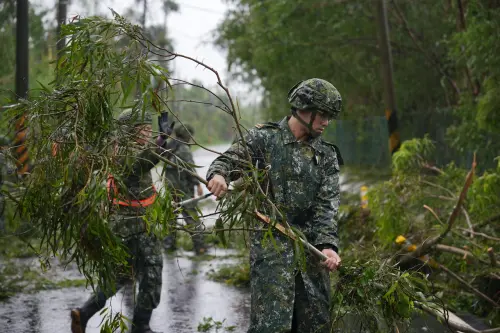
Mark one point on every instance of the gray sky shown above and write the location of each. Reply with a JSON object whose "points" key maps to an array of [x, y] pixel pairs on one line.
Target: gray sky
{"points": [[190, 29]]}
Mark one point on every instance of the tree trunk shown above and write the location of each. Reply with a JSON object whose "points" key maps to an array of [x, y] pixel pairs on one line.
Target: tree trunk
{"points": [[22, 75], [22, 50], [62, 8], [387, 74]]}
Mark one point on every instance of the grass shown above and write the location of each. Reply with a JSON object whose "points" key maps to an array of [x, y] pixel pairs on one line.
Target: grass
{"points": [[209, 323], [237, 275], [13, 247], [15, 278]]}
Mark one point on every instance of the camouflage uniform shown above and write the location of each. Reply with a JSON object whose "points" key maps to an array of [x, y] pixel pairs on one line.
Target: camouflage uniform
{"points": [[182, 184], [144, 248], [304, 178]]}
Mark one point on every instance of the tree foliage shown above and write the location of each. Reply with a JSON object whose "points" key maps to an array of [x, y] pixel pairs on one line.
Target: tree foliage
{"points": [[417, 203], [445, 56]]}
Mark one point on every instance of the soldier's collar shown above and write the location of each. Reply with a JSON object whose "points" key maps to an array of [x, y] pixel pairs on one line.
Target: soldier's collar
{"points": [[288, 136], [315, 142]]}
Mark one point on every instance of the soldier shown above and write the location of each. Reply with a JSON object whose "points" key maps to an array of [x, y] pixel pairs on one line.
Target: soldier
{"points": [[182, 184], [303, 174], [129, 205]]}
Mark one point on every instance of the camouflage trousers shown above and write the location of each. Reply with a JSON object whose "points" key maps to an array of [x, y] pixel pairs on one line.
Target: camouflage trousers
{"points": [[145, 267], [285, 297]]}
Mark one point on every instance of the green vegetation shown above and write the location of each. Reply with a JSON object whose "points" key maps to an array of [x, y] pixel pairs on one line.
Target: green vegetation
{"points": [[417, 203], [209, 323], [235, 275], [445, 55], [16, 277]]}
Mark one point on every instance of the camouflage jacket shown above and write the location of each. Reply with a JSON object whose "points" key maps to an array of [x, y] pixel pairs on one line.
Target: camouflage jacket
{"points": [[304, 179], [180, 182], [133, 182]]}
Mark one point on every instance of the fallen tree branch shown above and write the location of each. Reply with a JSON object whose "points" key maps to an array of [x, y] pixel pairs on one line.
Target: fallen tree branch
{"points": [[454, 324], [425, 247], [467, 218], [432, 168], [433, 213], [454, 250], [468, 286], [460, 252], [481, 234], [438, 186]]}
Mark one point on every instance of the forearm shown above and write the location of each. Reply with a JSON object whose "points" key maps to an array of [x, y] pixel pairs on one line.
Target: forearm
{"points": [[325, 223]]}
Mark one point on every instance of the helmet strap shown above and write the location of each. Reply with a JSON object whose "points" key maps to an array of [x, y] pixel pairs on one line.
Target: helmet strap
{"points": [[309, 126]]}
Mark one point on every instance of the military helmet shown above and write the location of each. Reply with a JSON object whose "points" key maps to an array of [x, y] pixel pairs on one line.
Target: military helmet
{"points": [[135, 117], [184, 132], [316, 94]]}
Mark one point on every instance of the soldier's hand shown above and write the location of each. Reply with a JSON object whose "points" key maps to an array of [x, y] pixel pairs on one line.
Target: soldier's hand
{"points": [[217, 185], [333, 262]]}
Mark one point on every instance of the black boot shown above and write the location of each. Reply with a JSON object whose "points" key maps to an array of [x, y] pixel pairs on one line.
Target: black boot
{"points": [[140, 322], [80, 316]]}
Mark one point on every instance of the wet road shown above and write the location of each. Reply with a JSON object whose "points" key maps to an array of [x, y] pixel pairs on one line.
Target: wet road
{"points": [[187, 297]]}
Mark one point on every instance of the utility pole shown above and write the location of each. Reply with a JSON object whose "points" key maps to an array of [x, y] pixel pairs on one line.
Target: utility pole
{"points": [[22, 50], [62, 8], [144, 11], [22, 74], [387, 75]]}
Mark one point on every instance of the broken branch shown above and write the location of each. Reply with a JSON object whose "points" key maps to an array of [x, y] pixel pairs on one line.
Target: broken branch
{"points": [[427, 245], [468, 286], [480, 234]]}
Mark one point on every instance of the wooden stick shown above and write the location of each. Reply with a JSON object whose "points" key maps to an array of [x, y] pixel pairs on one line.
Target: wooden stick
{"points": [[289, 233]]}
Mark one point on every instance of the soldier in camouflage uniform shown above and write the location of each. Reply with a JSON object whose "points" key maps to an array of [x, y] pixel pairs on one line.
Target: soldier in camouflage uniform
{"points": [[129, 205], [182, 184], [304, 178]]}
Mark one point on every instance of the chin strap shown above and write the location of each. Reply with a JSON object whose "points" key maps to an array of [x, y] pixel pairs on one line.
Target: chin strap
{"points": [[312, 132]]}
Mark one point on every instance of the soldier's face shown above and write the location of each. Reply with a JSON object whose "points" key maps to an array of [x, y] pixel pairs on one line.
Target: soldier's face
{"points": [[320, 122], [144, 134]]}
